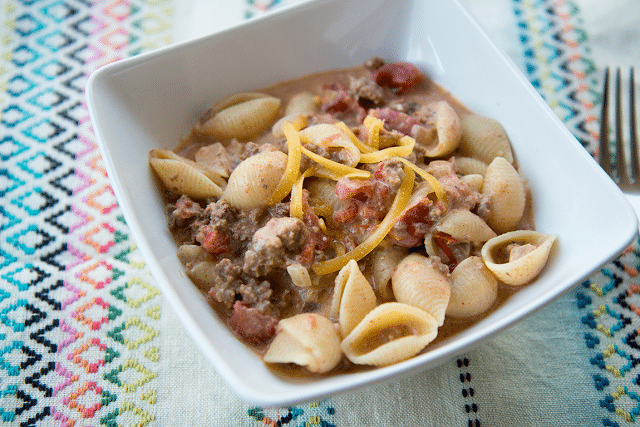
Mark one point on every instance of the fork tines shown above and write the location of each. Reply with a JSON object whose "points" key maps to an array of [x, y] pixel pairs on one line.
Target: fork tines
{"points": [[626, 172]]}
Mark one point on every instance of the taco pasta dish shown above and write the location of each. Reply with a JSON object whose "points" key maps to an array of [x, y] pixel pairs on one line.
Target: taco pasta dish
{"points": [[350, 217]]}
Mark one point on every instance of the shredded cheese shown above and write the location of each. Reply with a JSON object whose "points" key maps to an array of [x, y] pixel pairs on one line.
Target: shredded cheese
{"points": [[323, 172], [433, 182], [359, 144], [374, 125], [339, 248], [334, 167], [374, 239], [404, 149], [299, 122], [323, 226], [295, 207], [320, 208], [292, 170]]}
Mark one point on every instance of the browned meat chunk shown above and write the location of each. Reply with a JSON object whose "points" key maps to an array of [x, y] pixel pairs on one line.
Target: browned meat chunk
{"points": [[367, 91], [369, 200], [272, 244], [460, 193], [229, 285], [186, 208], [396, 120]]}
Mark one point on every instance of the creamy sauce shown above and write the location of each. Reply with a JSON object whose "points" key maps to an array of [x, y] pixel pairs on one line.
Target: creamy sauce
{"points": [[426, 93]]}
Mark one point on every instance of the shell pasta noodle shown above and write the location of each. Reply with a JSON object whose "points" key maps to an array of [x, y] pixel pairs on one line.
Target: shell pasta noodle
{"points": [[350, 218]]}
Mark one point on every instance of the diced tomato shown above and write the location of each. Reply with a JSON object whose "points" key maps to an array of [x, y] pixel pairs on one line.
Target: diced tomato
{"points": [[443, 240], [348, 188], [398, 76], [252, 326], [216, 242]]}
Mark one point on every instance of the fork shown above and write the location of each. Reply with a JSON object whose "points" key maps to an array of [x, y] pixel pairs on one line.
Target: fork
{"points": [[626, 171]]}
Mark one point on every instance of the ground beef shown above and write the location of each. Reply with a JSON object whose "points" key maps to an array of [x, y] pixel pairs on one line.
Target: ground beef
{"points": [[366, 91], [349, 188], [460, 193], [186, 208], [396, 120], [273, 244], [236, 227], [366, 202], [225, 278], [374, 63], [390, 172], [339, 155], [184, 219], [221, 215], [230, 284], [414, 223], [342, 104], [318, 241]]}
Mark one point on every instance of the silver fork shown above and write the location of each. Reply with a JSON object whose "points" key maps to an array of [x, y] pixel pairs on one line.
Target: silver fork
{"points": [[626, 171]]}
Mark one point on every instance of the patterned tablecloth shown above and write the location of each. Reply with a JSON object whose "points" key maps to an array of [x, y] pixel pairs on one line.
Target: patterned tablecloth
{"points": [[86, 339]]}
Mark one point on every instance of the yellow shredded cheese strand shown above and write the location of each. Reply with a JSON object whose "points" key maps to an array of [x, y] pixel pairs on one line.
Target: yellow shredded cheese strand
{"points": [[323, 172], [322, 210], [334, 167], [374, 239], [433, 182], [299, 122], [323, 226], [404, 149], [374, 125], [292, 170], [359, 144], [339, 248], [295, 207]]}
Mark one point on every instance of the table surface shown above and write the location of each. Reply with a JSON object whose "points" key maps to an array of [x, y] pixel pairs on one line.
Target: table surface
{"points": [[86, 339]]}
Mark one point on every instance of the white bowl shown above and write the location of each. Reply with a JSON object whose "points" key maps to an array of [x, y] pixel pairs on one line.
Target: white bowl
{"points": [[152, 100]]}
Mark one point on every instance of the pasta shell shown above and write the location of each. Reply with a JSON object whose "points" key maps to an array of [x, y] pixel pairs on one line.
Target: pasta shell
{"points": [[189, 254], [505, 189], [470, 165], [474, 289], [241, 116], [302, 103], [390, 333], [299, 275], [332, 138], [202, 164], [517, 257], [418, 282], [307, 339], [202, 274], [384, 261], [353, 297], [475, 181], [255, 179], [323, 190], [298, 121], [231, 100], [484, 138], [465, 226], [183, 177], [448, 131]]}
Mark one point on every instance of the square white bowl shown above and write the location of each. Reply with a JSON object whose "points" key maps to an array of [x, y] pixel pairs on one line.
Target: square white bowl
{"points": [[152, 100]]}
